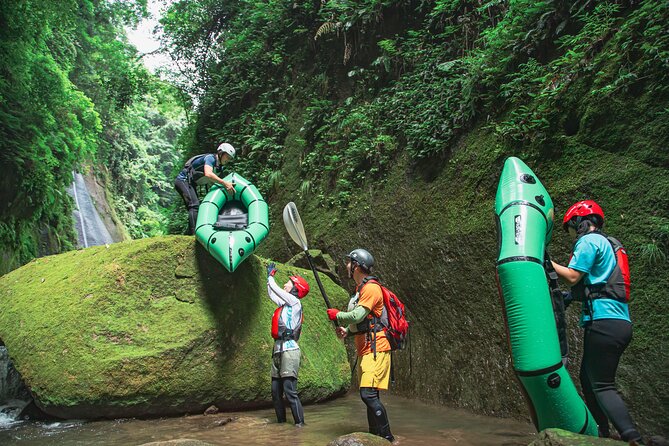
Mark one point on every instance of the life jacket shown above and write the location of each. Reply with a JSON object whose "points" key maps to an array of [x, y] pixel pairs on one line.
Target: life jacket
{"points": [[196, 176], [616, 287], [279, 330], [392, 320]]}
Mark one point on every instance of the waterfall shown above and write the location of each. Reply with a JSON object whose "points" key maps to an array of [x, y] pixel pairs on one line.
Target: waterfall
{"points": [[14, 395], [87, 221]]}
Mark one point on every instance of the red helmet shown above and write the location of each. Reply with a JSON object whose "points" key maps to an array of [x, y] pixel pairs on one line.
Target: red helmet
{"points": [[301, 285], [582, 209]]}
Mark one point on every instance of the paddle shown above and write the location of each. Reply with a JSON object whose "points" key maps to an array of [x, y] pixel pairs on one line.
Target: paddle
{"points": [[291, 218]]}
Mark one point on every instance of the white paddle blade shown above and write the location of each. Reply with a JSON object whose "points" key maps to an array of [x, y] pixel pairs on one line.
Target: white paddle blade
{"points": [[291, 218]]}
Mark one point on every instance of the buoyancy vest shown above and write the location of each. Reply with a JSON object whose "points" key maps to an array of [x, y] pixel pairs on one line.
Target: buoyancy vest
{"points": [[195, 175], [279, 329], [372, 323], [616, 287]]}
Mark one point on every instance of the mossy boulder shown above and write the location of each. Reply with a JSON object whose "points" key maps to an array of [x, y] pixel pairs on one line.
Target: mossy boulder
{"points": [[156, 327], [560, 437], [359, 439], [322, 262]]}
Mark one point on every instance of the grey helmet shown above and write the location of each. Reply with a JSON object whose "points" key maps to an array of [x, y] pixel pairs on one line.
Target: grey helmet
{"points": [[226, 148], [362, 257]]}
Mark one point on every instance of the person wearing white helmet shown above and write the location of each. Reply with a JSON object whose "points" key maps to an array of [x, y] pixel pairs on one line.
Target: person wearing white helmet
{"points": [[204, 169]]}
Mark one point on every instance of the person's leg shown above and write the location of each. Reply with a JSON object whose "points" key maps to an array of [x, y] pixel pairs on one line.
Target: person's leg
{"points": [[290, 389], [290, 366], [370, 396], [375, 376], [608, 339], [586, 384], [277, 400], [371, 421], [277, 391], [191, 201]]}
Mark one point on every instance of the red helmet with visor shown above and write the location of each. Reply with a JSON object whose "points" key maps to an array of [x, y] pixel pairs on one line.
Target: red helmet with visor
{"points": [[582, 209], [301, 285]]}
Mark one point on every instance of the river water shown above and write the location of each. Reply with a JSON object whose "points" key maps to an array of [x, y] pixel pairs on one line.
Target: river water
{"points": [[412, 422]]}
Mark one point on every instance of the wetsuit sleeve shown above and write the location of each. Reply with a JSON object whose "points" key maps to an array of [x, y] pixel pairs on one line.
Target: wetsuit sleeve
{"points": [[355, 316], [278, 295], [585, 253]]}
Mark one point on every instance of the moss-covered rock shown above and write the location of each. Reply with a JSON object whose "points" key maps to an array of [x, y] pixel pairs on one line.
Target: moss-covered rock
{"points": [[156, 327], [322, 262], [560, 437], [359, 439]]}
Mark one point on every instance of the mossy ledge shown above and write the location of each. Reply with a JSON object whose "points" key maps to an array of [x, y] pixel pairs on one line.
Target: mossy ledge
{"points": [[156, 327]]}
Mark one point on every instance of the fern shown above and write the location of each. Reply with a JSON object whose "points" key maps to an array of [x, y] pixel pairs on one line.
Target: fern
{"points": [[274, 180], [305, 188], [327, 28], [652, 254]]}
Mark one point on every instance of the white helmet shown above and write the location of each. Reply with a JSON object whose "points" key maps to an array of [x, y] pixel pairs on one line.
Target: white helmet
{"points": [[226, 148]]}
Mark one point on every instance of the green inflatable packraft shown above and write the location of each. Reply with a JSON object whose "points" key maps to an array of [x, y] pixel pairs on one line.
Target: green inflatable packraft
{"points": [[524, 213], [231, 225]]}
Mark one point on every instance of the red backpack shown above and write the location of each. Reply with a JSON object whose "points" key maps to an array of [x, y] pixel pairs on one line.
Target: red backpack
{"points": [[618, 283], [617, 286], [395, 325]]}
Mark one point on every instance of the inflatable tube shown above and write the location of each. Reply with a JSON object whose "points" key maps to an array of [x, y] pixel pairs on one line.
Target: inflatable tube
{"points": [[524, 213], [232, 246]]}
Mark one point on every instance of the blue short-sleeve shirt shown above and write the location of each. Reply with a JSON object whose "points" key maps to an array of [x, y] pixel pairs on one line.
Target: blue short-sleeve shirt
{"points": [[198, 169], [594, 256]]}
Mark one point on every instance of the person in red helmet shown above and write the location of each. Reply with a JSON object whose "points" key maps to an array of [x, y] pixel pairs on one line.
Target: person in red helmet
{"points": [[286, 329], [599, 278]]}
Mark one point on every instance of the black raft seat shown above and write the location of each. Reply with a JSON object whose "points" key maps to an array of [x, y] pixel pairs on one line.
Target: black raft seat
{"points": [[232, 217]]}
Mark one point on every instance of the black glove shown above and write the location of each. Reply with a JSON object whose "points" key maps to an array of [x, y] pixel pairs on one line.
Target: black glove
{"points": [[567, 298], [271, 269]]}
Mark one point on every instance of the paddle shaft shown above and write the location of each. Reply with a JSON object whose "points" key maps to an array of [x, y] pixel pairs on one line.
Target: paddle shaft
{"points": [[318, 280]]}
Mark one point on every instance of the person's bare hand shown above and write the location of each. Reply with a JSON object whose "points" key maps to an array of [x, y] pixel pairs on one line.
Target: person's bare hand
{"points": [[341, 332]]}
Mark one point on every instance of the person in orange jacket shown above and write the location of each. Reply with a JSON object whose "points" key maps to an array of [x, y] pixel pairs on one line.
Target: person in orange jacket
{"points": [[363, 320]]}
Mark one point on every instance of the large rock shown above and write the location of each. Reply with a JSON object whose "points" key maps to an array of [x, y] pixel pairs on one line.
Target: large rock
{"points": [[559, 437], [359, 439], [322, 262], [155, 327]]}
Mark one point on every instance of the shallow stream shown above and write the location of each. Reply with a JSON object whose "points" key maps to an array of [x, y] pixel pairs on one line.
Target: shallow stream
{"points": [[412, 422]]}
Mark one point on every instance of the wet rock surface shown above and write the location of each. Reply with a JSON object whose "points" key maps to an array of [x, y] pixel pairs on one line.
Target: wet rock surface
{"points": [[559, 437], [179, 442], [359, 439]]}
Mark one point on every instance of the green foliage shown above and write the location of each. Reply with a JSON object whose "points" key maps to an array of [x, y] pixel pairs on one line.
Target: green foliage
{"points": [[415, 91], [655, 252], [142, 160], [46, 124], [652, 254], [72, 92]]}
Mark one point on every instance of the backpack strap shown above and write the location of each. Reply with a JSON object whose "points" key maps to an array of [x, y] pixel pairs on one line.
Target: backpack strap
{"points": [[189, 166], [367, 279], [376, 321]]}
